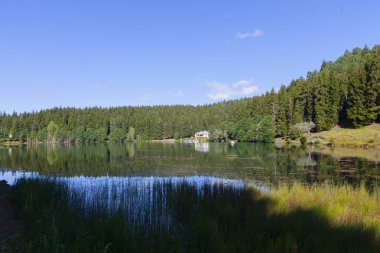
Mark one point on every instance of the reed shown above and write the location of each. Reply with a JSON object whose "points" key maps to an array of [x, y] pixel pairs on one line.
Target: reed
{"points": [[184, 217]]}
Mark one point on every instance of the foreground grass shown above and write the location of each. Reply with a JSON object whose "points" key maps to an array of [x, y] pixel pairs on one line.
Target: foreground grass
{"points": [[188, 218], [341, 205], [368, 136]]}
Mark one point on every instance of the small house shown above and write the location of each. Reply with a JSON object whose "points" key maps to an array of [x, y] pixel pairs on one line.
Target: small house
{"points": [[202, 134]]}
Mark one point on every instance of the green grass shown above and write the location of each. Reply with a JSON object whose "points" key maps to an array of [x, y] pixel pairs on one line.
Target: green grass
{"points": [[186, 218], [368, 136], [341, 205], [365, 137]]}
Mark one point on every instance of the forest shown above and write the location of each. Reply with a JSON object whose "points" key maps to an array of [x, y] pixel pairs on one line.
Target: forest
{"points": [[345, 92]]}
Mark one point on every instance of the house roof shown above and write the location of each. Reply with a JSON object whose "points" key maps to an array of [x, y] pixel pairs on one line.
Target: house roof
{"points": [[202, 132]]}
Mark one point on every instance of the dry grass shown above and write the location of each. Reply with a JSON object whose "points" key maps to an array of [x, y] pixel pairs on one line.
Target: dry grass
{"points": [[368, 136]]}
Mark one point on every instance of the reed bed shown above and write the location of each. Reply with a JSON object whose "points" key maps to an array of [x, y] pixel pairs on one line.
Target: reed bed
{"points": [[167, 216]]}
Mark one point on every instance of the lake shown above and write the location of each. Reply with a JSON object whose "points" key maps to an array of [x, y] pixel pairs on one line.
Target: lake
{"points": [[249, 163], [210, 197]]}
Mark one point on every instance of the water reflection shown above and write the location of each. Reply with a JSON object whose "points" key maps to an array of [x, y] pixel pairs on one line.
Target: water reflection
{"points": [[139, 193], [250, 162], [182, 193], [12, 176], [202, 147]]}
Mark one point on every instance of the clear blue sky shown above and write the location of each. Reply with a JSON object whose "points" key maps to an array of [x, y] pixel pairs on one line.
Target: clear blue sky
{"points": [[113, 53]]}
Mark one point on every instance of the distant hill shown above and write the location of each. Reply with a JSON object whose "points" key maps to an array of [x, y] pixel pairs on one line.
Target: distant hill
{"points": [[344, 92]]}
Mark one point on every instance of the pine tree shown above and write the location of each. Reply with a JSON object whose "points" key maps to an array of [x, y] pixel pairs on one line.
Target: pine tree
{"points": [[283, 114], [373, 89], [321, 101], [358, 110]]}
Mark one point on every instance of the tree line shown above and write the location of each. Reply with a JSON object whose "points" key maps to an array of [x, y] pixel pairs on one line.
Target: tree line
{"points": [[344, 92]]}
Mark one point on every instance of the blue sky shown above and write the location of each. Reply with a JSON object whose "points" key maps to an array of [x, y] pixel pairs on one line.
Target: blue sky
{"points": [[114, 53]]}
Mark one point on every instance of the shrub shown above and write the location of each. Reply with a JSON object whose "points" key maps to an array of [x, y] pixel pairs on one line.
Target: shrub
{"points": [[303, 140], [294, 133]]}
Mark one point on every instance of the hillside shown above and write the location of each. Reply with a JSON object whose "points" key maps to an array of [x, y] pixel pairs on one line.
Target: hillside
{"points": [[345, 92]]}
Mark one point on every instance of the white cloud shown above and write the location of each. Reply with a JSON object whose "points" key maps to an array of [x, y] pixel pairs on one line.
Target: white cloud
{"points": [[223, 91], [245, 87], [176, 94], [219, 90], [255, 34]]}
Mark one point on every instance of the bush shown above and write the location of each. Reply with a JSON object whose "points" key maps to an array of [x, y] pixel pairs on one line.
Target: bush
{"points": [[303, 140], [294, 133], [117, 135], [256, 129]]}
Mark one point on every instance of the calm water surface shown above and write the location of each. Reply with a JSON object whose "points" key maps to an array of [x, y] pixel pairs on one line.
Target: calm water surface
{"points": [[261, 165], [186, 197]]}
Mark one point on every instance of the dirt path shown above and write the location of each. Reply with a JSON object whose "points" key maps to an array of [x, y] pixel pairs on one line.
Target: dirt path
{"points": [[9, 224]]}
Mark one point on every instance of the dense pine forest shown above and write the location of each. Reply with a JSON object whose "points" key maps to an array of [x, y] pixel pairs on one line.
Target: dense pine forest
{"points": [[345, 92]]}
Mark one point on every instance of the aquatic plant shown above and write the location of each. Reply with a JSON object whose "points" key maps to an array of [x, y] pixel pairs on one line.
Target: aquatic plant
{"points": [[164, 216]]}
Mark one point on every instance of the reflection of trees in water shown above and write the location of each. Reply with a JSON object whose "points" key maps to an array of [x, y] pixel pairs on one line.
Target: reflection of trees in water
{"points": [[51, 154], [131, 149], [248, 161]]}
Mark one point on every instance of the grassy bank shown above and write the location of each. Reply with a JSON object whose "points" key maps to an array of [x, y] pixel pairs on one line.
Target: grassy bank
{"points": [[341, 205], [368, 136], [365, 137], [188, 218]]}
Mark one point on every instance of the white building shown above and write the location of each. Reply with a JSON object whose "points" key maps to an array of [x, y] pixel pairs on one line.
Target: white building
{"points": [[202, 134]]}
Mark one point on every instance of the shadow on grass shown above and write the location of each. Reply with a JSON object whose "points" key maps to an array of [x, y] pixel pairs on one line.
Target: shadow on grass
{"points": [[175, 218]]}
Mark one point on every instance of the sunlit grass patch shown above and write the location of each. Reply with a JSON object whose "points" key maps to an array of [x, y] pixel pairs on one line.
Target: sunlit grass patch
{"points": [[368, 136], [341, 204]]}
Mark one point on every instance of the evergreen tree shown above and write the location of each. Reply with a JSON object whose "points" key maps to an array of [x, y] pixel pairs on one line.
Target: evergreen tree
{"points": [[373, 88], [345, 91], [357, 109], [321, 101]]}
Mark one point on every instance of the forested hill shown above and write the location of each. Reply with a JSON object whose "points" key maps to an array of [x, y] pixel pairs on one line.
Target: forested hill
{"points": [[344, 92]]}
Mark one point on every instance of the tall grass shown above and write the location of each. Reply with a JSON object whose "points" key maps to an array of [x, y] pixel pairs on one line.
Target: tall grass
{"points": [[341, 205], [185, 217]]}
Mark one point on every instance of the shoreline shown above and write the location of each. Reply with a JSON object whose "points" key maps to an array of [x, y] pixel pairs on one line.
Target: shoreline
{"points": [[279, 142], [367, 137]]}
